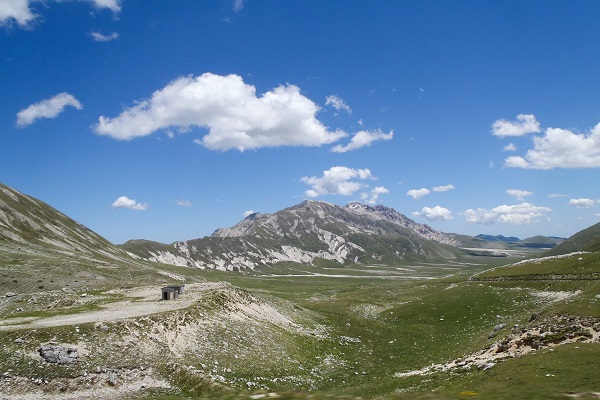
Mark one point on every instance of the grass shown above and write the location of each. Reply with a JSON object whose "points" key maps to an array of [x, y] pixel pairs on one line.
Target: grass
{"points": [[551, 373], [372, 329], [578, 266]]}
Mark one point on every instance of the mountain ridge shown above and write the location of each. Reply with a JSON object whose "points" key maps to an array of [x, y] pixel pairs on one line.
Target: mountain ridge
{"points": [[305, 233]]}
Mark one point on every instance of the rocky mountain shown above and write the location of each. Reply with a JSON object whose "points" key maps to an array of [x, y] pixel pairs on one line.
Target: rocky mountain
{"points": [[311, 232]]}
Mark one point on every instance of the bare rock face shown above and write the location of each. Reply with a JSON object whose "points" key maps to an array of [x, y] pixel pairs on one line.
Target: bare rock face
{"points": [[306, 233], [58, 354]]}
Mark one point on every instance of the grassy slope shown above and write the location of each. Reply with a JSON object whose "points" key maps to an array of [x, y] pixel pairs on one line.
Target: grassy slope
{"points": [[585, 240], [401, 324], [578, 265], [408, 325]]}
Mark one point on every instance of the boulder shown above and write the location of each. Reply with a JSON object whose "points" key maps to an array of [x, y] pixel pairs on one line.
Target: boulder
{"points": [[58, 354]]}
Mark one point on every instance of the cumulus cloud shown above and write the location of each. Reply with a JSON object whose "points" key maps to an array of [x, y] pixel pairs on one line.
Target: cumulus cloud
{"points": [[373, 196], [436, 213], [337, 180], [557, 195], [125, 202], [48, 108], [444, 188], [518, 194], [99, 37], [248, 213], [418, 193], [16, 11], [362, 139], [184, 203], [525, 123], [518, 214], [337, 103], [561, 148], [582, 203], [229, 108]]}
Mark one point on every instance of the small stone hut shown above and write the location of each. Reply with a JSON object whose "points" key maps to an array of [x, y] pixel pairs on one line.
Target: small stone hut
{"points": [[172, 292]]}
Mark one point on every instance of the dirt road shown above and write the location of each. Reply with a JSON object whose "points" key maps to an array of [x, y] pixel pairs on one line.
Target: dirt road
{"points": [[138, 302]]}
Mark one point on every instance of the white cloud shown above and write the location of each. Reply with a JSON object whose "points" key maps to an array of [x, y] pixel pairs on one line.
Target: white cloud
{"points": [[373, 196], [444, 188], [125, 202], [362, 139], [436, 213], [21, 13], [337, 180], [518, 214], [510, 147], [15, 10], [48, 108], [557, 195], [113, 5], [184, 203], [418, 193], [248, 213], [99, 37], [518, 194], [337, 103], [561, 148], [526, 123], [235, 117], [582, 203]]}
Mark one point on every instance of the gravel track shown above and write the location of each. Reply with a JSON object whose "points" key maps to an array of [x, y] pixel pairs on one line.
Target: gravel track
{"points": [[137, 302]]}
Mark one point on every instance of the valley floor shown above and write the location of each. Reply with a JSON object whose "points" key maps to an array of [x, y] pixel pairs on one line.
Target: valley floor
{"points": [[275, 335]]}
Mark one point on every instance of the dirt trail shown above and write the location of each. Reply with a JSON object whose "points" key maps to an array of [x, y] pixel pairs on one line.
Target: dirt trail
{"points": [[138, 302]]}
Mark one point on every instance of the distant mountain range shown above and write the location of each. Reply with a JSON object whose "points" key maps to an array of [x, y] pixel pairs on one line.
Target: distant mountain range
{"points": [[537, 242], [498, 238], [312, 232]]}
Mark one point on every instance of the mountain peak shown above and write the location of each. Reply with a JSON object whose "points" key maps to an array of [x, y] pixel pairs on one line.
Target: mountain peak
{"points": [[308, 232]]}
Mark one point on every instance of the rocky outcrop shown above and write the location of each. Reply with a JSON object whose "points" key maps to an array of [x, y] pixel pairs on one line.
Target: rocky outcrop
{"points": [[553, 331], [58, 354]]}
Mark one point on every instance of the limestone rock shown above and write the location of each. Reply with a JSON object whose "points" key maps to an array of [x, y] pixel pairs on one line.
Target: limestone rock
{"points": [[58, 354]]}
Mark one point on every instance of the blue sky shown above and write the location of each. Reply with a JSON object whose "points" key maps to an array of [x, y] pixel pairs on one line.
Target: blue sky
{"points": [[166, 120]]}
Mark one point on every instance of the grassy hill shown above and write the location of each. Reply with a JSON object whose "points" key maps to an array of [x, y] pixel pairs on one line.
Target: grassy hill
{"points": [[585, 240], [41, 249]]}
